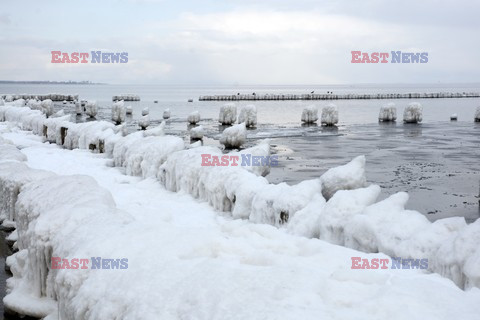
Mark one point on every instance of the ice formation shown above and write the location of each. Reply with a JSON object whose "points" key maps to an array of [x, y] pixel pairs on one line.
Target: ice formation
{"points": [[118, 112], [47, 106], [413, 113], [477, 115], [454, 117], [129, 110], [145, 111], [91, 109], [228, 114], [197, 133], [329, 115], [235, 136], [194, 117], [144, 122], [248, 114], [388, 113], [310, 114], [166, 114], [78, 108]]}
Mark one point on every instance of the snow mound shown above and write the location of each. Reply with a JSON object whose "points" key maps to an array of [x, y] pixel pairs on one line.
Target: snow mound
{"points": [[413, 113], [197, 133], [310, 114], [248, 114], [346, 177], [228, 114], [194, 117], [235, 136], [388, 113], [329, 115]]}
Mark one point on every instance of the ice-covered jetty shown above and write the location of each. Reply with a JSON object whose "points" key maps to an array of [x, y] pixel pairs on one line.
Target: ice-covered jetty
{"points": [[126, 97], [51, 96]]}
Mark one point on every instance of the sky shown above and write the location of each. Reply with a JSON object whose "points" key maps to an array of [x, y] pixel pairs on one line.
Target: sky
{"points": [[236, 42]]}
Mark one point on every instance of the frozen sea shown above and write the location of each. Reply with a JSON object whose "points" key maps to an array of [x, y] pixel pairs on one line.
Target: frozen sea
{"points": [[436, 162]]}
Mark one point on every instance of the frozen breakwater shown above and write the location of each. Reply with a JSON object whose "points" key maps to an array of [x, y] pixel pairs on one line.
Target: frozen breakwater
{"points": [[51, 96], [126, 97], [339, 207], [326, 96]]}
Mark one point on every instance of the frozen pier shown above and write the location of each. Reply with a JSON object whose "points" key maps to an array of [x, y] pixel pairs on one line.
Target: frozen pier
{"points": [[330, 96], [126, 97], [51, 96]]}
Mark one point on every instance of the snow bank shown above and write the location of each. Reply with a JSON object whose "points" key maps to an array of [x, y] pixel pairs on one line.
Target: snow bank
{"points": [[413, 113], [235, 136], [118, 112], [310, 114], [329, 115], [388, 113], [248, 114], [477, 115], [166, 114], [228, 114], [197, 133], [346, 177], [194, 117], [91, 109]]}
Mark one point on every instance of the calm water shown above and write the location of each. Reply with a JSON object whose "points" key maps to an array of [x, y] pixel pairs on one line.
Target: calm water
{"points": [[436, 162]]}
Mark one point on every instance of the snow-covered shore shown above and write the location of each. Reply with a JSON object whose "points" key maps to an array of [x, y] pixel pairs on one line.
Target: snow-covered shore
{"points": [[203, 257]]}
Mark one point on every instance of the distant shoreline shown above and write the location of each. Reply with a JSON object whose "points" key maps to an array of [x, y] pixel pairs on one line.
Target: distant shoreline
{"points": [[48, 82]]}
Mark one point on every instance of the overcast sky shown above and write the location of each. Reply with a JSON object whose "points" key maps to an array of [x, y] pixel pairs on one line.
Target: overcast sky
{"points": [[241, 41]]}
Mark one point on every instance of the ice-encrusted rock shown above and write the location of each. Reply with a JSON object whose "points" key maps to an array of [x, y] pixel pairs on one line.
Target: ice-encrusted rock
{"points": [[248, 114], [477, 115], [346, 177], [144, 122], [197, 133], [194, 117], [413, 113], [235, 136], [310, 114], [388, 113], [118, 112], [167, 114], [329, 115], [91, 109], [145, 111], [228, 114]]}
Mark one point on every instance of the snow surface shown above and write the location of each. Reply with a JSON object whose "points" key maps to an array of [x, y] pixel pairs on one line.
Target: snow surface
{"points": [[329, 115], [228, 114], [248, 114], [413, 113], [194, 117], [274, 274], [234, 136], [310, 114], [388, 113]]}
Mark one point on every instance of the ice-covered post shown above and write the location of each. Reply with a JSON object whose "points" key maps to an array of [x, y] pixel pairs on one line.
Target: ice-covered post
{"points": [[413, 113], [454, 117], [477, 115], [329, 115], [388, 113], [196, 133], [310, 114], [78, 108], [235, 136], [248, 114], [129, 110], [145, 111], [228, 114], [194, 117], [144, 122], [91, 108], [47, 107], [118, 112], [166, 114]]}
